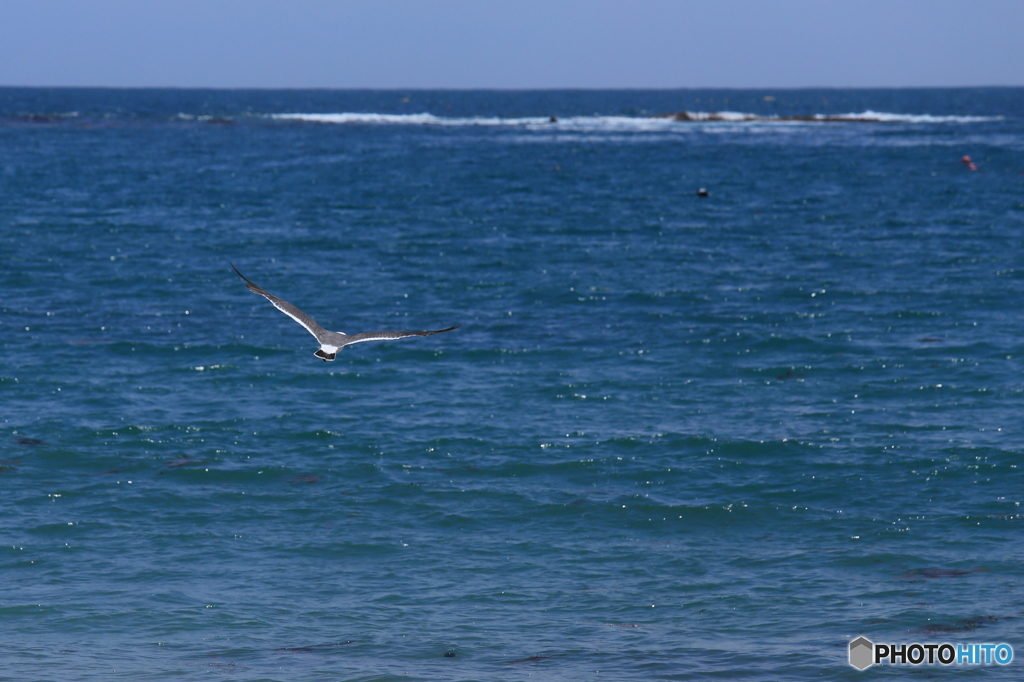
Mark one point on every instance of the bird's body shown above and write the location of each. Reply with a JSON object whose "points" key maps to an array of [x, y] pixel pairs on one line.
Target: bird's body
{"points": [[330, 342]]}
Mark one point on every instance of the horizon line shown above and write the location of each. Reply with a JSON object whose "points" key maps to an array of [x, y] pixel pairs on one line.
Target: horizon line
{"points": [[510, 89]]}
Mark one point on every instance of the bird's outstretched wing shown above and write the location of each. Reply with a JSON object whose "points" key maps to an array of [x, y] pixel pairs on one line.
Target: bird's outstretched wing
{"points": [[387, 336], [287, 308]]}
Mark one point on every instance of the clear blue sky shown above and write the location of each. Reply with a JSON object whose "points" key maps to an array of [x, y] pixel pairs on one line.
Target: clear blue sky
{"points": [[511, 43]]}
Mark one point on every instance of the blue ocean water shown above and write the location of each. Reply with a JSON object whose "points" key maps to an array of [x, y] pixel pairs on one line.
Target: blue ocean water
{"points": [[674, 438]]}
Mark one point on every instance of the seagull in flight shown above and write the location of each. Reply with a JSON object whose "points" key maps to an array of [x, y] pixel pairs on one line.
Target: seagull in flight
{"points": [[330, 342]]}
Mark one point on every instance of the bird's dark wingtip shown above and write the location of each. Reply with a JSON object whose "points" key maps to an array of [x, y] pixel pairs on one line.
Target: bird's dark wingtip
{"points": [[248, 282]]}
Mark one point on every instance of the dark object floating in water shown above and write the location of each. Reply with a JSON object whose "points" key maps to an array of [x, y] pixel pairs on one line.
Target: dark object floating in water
{"points": [[929, 339], [553, 119], [28, 442], [330, 342], [702, 192], [730, 117], [304, 478], [788, 374], [449, 654]]}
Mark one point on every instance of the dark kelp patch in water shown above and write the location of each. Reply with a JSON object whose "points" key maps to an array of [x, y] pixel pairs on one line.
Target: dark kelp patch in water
{"points": [[965, 625], [933, 573], [313, 649]]}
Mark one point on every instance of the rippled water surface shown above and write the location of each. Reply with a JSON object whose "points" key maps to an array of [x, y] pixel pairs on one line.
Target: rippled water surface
{"points": [[673, 438]]}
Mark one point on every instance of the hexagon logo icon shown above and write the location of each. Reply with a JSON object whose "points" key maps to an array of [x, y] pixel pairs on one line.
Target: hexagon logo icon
{"points": [[862, 652]]}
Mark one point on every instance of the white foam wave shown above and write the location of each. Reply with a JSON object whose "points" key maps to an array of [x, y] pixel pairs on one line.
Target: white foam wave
{"points": [[405, 119], [571, 123], [659, 123], [862, 117], [883, 117]]}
